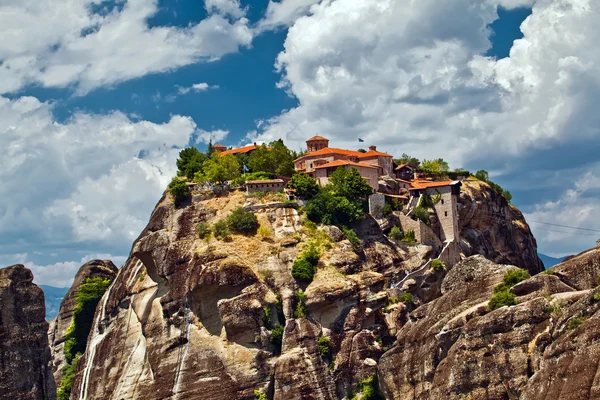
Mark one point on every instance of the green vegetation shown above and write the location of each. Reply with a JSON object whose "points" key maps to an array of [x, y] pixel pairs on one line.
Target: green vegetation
{"points": [[352, 237], [597, 296], [266, 320], [396, 233], [244, 222], [324, 346], [349, 184], [276, 338], [203, 230], [301, 310], [179, 190], [405, 298], [483, 175], [409, 237], [219, 169], [304, 266], [279, 310], [438, 265], [258, 395], [387, 210], [87, 298], [252, 176], [264, 232], [369, 389], [548, 272], [190, 162], [420, 213], [556, 307], [576, 322], [434, 168], [502, 295], [221, 230], [305, 185], [406, 159], [275, 158]]}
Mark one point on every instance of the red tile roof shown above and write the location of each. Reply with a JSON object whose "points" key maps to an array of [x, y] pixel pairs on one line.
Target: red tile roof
{"points": [[399, 167], [315, 138], [331, 150], [373, 153], [219, 146], [340, 163], [422, 184], [240, 150]]}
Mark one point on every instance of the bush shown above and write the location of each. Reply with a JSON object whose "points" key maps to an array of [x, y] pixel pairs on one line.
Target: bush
{"points": [[300, 311], [409, 237], [303, 270], [335, 210], [420, 213], [438, 265], [405, 298], [352, 237], [258, 395], [305, 185], [264, 232], [66, 384], [597, 296], [387, 210], [369, 390], [502, 298], [243, 222], [511, 278], [396, 233], [576, 322], [276, 337], [203, 230], [179, 190], [221, 230], [324, 346], [266, 320]]}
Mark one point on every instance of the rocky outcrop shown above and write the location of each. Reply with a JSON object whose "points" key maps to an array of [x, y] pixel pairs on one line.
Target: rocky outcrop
{"points": [[25, 370], [492, 227], [58, 326]]}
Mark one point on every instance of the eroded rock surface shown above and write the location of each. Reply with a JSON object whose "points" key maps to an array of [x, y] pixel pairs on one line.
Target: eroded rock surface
{"points": [[58, 326], [25, 368]]}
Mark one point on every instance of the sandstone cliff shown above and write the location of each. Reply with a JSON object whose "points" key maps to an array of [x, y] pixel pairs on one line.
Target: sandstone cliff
{"points": [[25, 370], [191, 318], [492, 227], [60, 324]]}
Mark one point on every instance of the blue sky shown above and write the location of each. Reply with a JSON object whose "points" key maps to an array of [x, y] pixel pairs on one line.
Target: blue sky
{"points": [[97, 99]]}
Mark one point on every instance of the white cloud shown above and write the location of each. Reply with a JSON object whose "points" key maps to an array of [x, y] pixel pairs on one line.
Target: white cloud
{"points": [[57, 44], [94, 178], [284, 13], [197, 87], [206, 136], [225, 7], [577, 207]]}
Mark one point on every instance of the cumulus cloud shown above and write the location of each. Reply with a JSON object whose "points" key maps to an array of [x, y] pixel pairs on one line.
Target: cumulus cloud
{"points": [[232, 8], [206, 136], [197, 87], [58, 44], [92, 179], [412, 77], [284, 13]]}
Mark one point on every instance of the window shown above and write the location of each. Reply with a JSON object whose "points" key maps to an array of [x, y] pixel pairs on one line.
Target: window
{"points": [[445, 213], [442, 201]]}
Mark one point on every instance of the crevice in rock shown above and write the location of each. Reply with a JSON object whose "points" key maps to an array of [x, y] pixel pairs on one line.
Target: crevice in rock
{"points": [[148, 261], [204, 301]]}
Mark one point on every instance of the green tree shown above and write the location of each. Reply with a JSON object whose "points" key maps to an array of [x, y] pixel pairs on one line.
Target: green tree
{"points": [[221, 168], [179, 190], [305, 185], [482, 175], [349, 184], [330, 209], [210, 149], [241, 221], [276, 158], [189, 162], [435, 168], [406, 159]]}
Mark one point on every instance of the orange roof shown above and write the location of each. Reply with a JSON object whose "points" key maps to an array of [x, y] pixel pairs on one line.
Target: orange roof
{"points": [[399, 167], [423, 184], [315, 138], [373, 153], [331, 150], [219, 146], [240, 150], [340, 163]]}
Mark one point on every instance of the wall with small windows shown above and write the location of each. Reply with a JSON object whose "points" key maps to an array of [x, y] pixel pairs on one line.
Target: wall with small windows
{"points": [[271, 185]]}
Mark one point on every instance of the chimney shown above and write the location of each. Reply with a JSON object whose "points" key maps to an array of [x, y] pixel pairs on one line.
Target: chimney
{"points": [[372, 148], [255, 143]]}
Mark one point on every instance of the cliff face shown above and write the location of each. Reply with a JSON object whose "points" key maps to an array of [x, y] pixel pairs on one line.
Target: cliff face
{"points": [[60, 324], [492, 227], [25, 370], [191, 318]]}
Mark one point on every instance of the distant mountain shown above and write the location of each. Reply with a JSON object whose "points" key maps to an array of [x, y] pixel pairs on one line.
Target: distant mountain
{"points": [[550, 261], [54, 296]]}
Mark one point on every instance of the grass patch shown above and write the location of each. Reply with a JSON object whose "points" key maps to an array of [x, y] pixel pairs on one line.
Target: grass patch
{"points": [[502, 295], [576, 322], [203, 230], [438, 265], [301, 310]]}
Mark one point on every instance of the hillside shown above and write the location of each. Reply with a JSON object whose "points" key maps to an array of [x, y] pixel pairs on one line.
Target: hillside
{"points": [[550, 262]]}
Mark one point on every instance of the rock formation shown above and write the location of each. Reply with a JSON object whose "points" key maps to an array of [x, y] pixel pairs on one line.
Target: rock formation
{"points": [[60, 324], [492, 227], [25, 370]]}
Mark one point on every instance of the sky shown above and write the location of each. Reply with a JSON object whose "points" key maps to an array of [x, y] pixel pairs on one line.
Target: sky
{"points": [[98, 97]]}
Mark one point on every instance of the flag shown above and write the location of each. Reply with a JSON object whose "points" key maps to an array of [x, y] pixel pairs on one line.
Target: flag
{"points": [[246, 169], [360, 140]]}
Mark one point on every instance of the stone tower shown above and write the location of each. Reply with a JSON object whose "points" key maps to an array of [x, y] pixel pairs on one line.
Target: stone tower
{"points": [[316, 143]]}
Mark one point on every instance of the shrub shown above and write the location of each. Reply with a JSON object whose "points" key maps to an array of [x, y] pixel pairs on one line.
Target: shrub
{"points": [[300, 311], [500, 299], [512, 277], [368, 388], [576, 322], [597, 296], [405, 298], [243, 222], [409, 237], [438, 265], [311, 226], [420, 213], [266, 320], [66, 383], [279, 310], [303, 270], [324, 346], [556, 307], [276, 337], [258, 395], [331, 209], [352, 237], [396, 233], [179, 190], [264, 232], [387, 210], [203, 230], [221, 230], [305, 185]]}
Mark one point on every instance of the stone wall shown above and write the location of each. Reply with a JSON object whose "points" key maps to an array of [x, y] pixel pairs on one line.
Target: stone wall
{"points": [[447, 213], [423, 233], [376, 203]]}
